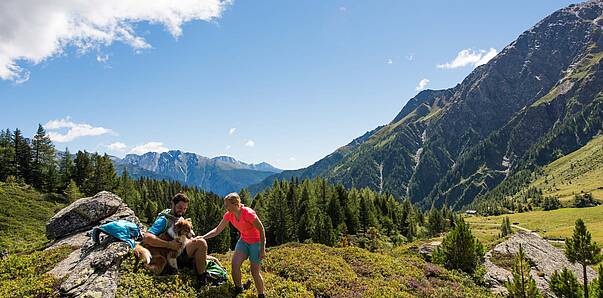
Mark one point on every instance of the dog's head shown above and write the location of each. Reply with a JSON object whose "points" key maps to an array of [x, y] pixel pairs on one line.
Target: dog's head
{"points": [[184, 228]]}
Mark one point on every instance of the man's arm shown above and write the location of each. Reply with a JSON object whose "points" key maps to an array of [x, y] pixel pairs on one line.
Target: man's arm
{"points": [[151, 240], [260, 227], [217, 230]]}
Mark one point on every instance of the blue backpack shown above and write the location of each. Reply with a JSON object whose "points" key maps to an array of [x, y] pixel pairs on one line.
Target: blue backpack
{"points": [[121, 229]]}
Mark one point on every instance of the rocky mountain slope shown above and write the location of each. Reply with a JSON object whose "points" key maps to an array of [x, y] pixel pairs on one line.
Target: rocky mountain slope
{"points": [[220, 175], [537, 100]]}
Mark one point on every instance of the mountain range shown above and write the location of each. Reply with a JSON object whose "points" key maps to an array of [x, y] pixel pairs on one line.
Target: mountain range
{"points": [[537, 100], [221, 175]]}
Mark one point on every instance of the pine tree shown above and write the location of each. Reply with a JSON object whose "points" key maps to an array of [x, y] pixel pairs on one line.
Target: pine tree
{"points": [[335, 212], [352, 214], [407, 225], [72, 192], [522, 285], [307, 211], [323, 232], [7, 155], [83, 171], [460, 249], [43, 161], [565, 284], [104, 174], [245, 196], [505, 227], [127, 191], [580, 249], [435, 222], [367, 212], [66, 169], [22, 161]]}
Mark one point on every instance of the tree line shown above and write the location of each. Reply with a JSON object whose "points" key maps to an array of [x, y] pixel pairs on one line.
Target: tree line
{"points": [[291, 210]]}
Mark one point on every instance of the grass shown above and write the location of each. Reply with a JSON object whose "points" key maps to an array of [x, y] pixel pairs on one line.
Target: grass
{"points": [[23, 275], [314, 270], [579, 171], [555, 224], [23, 216]]}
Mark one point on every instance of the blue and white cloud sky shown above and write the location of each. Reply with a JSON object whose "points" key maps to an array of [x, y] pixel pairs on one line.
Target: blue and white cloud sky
{"points": [[286, 82]]}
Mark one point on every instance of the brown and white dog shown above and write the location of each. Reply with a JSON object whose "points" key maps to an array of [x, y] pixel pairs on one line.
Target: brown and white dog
{"points": [[181, 231]]}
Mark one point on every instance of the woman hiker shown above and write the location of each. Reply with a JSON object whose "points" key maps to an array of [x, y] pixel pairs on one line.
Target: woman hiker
{"points": [[252, 243]]}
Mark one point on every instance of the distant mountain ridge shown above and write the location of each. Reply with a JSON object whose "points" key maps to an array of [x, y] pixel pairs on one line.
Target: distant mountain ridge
{"points": [[538, 99], [221, 175]]}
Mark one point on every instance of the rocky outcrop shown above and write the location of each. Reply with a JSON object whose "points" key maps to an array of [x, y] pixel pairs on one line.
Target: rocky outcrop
{"points": [[90, 270], [82, 214], [544, 258]]}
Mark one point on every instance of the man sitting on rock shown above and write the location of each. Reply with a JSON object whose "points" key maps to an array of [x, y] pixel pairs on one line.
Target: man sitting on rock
{"points": [[195, 251]]}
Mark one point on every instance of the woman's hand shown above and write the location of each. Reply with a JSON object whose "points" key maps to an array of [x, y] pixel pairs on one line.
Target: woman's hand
{"points": [[262, 253]]}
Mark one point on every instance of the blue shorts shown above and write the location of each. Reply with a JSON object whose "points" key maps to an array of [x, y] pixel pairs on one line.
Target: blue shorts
{"points": [[252, 250]]}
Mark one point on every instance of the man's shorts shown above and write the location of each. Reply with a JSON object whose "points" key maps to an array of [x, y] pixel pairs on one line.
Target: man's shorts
{"points": [[184, 261], [252, 250]]}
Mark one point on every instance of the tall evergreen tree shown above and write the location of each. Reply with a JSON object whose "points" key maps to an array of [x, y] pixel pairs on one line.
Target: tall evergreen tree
{"points": [[83, 172], [72, 192], [407, 225], [7, 155], [66, 170], [43, 161], [104, 176], [22, 161], [127, 191], [435, 221], [307, 210], [581, 249], [522, 285], [367, 212]]}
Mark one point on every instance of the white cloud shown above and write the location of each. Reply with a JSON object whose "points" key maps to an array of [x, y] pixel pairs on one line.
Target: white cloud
{"points": [[149, 147], [422, 84], [117, 146], [102, 58], [33, 31], [469, 57], [410, 57], [75, 130], [232, 131], [390, 61], [250, 143], [292, 158]]}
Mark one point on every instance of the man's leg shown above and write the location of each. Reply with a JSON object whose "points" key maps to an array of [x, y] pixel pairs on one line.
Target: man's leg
{"points": [[197, 248]]}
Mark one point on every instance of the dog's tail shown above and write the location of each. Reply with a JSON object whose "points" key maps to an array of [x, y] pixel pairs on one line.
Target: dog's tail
{"points": [[142, 253]]}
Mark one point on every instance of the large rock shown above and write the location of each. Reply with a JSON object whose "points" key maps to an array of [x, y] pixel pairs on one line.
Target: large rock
{"points": [[82, 214], [544, 258], [92, 269]]}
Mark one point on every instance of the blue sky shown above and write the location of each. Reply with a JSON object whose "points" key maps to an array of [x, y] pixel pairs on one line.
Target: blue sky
{"points": [[286, 82]]}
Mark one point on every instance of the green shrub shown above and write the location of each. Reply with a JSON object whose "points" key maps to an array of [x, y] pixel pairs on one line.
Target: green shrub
{"points": [[24, 275]]}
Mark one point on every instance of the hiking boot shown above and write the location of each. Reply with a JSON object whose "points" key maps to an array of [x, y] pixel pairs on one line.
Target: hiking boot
{"points": [[240, 289], [203, 279], [247, 284]]}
